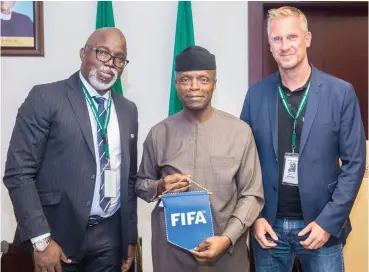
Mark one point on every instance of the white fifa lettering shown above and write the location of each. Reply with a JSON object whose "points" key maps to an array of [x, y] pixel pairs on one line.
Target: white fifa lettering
{"points": [[200, 218], [183, 219], [190, 217], [175, 218]]}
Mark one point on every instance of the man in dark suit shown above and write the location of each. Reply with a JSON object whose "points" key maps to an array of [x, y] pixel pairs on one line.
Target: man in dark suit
{"points": [[72, 163], [304, 121]]}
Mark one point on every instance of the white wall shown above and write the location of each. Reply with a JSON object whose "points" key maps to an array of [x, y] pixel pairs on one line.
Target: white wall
{"points": [[149, 27]]}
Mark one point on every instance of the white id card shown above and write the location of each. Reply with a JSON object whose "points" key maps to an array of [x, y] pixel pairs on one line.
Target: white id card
{"points": [[290, 172], [110, 183]]}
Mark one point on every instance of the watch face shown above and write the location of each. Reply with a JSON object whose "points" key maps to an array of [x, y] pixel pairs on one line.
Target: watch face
{"points": [[41, 245]]}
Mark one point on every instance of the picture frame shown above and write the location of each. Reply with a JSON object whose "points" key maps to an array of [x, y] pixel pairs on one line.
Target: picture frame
{"points": [[22, 29]]}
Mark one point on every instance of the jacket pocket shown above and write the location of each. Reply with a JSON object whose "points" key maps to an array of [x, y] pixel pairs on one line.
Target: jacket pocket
{"points": [[50, 198]]}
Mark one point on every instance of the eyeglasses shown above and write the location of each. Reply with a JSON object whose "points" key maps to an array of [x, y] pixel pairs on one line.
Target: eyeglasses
{"points": [[104, 56]]}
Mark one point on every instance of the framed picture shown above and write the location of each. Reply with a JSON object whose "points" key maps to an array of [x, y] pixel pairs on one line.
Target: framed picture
{"points": [[22, 28]]}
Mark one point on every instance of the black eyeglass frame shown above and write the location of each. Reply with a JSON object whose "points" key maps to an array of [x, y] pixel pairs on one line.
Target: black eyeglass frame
{"points": [[97, 50]]}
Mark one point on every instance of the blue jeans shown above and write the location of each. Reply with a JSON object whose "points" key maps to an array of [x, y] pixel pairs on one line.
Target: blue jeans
{"points": [[281, 257]]}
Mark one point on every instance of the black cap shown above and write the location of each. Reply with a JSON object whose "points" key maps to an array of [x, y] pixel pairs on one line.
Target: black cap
{"points": [[195, 58]]}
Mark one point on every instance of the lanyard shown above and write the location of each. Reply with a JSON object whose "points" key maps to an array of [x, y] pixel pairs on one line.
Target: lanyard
{"points": [[298, 113], [103, 126]]}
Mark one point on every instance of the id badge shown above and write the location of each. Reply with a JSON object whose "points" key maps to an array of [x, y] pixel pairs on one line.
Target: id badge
{"points": [[290, 172], [110, 179]]}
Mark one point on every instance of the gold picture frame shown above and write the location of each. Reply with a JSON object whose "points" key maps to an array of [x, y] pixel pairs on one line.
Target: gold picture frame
{"points": [[16, 42]]}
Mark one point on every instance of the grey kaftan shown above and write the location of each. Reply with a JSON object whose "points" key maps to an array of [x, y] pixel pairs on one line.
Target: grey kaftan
{"points": [[220, 154]]}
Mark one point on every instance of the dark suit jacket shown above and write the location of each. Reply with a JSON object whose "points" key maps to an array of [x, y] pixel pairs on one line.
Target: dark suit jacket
{"points": [[332, 130], [51, 167]]}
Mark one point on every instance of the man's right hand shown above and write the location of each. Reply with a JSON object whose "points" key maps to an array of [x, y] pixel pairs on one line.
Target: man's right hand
{"points": [[174, 183], [262, 227], [49, 260]]}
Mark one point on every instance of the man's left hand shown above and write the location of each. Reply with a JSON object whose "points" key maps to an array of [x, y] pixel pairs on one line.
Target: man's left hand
{"points": [[126, 265], [211, 248], [317, 238]]}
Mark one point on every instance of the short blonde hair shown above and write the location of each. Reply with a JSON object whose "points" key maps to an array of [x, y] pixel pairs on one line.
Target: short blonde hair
{"points": [[285, 12]]}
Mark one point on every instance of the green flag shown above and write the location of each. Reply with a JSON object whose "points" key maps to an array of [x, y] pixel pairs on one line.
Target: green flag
{"points": [[184, 38], [105, 18]]}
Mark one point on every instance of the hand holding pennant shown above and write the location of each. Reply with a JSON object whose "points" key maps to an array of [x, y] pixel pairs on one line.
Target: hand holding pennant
{"points": [[188, 217]]}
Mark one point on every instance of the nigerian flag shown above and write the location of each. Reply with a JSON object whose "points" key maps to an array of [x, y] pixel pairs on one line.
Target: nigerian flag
{"points": [[105, 18], [184, 38]]}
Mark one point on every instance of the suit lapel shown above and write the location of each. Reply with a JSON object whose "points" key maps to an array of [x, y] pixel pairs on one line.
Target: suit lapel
{"points": [[273, 112], [79, 106], [311, 106]]}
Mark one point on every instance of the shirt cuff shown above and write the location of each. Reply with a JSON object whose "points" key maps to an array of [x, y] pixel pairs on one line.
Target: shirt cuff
{"points": [[39, 238], [154, 189]]}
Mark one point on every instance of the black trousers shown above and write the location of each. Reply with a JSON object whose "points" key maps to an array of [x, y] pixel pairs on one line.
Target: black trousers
{"points": [[101, 249]]}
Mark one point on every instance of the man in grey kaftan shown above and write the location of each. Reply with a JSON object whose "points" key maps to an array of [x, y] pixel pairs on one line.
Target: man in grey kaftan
{"points": [[219, 153]]}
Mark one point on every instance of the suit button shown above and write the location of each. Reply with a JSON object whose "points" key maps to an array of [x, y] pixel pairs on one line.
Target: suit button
{"points": [[274, 188], [93, 176], [88, 203]]}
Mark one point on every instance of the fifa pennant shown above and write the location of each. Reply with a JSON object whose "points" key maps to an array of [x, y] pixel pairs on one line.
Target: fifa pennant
{"points": [[188, 218]]}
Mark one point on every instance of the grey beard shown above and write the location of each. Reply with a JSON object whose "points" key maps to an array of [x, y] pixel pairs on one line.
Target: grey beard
{"points": [[97, 84]]}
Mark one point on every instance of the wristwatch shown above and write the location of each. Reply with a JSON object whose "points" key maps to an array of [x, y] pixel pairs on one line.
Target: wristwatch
{"points": [[41, 245]]}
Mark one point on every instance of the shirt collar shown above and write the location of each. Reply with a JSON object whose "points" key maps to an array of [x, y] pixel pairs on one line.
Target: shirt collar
{"points": [[91, 89], [6, 17], [303, 88]]}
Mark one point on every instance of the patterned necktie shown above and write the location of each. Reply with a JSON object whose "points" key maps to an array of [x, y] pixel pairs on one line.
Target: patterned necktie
{"points": [[104, 202]]}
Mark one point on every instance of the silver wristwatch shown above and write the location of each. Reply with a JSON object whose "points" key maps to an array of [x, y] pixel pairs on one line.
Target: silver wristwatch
{"points": [[41, 245]]}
